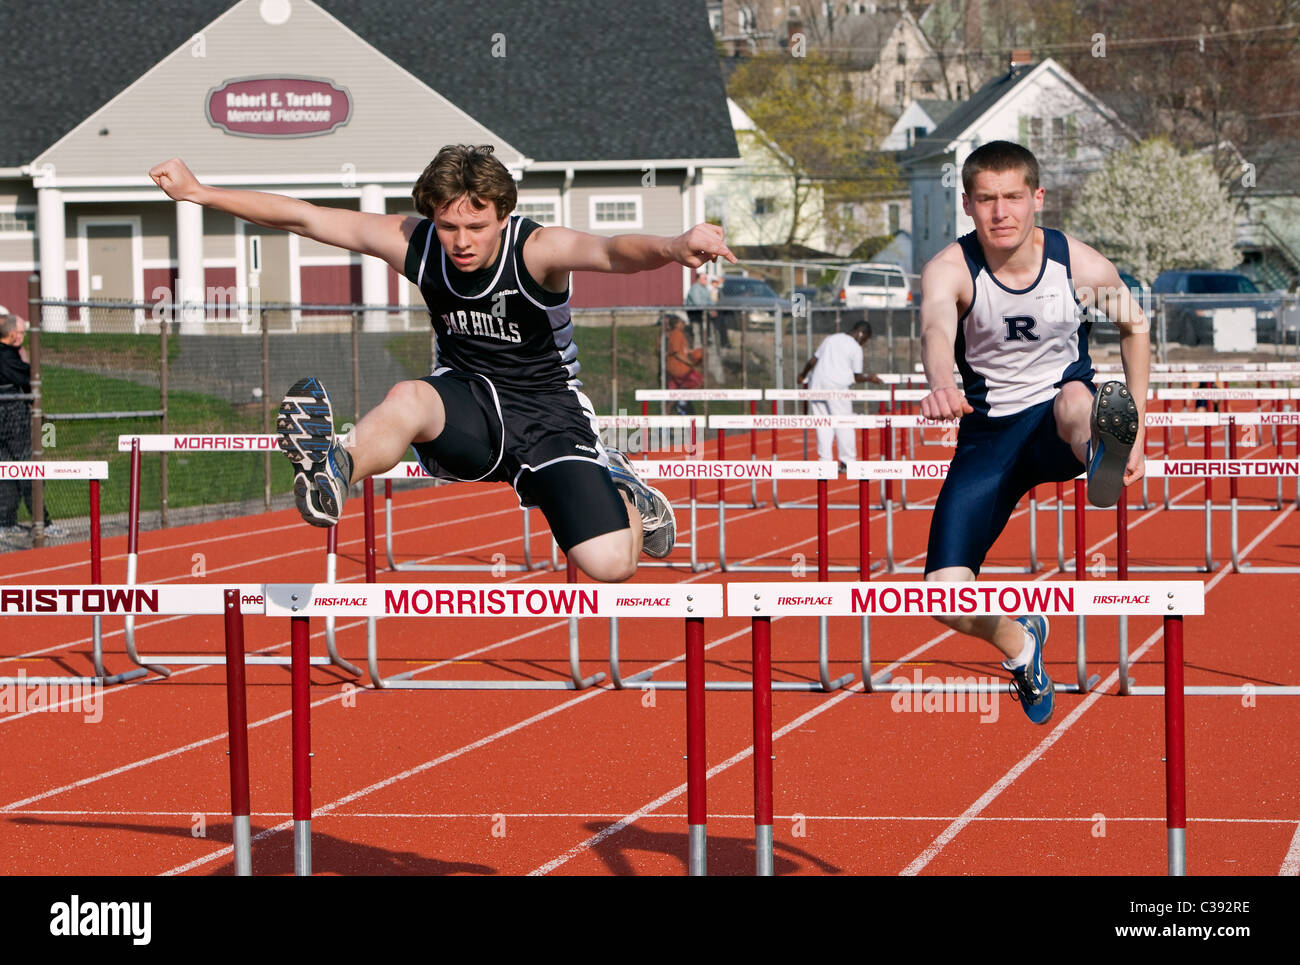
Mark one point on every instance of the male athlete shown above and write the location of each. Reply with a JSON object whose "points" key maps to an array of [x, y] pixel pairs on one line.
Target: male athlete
{"points": [[1005, 304], [504, 403]]}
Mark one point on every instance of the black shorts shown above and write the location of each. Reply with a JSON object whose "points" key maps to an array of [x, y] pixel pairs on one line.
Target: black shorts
{"points": [[542, 442], [997, 461]]}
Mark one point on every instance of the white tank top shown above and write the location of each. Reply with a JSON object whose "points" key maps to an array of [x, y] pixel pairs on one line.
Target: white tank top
{"points": [[1016, 348]]}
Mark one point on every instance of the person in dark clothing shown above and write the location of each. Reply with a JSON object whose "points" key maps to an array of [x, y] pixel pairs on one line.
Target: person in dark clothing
{"points": [[15, 419]]}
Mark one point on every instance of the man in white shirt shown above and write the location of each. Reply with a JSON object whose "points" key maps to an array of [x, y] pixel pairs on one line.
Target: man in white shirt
{"points": [[837, 364]]}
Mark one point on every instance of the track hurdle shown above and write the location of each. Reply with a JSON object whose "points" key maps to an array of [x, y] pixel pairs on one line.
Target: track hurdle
{"points": [[195, 443], [413, 470], [1170, 600], [691, 603], [93, 473], [751, 396], [195, 599]]}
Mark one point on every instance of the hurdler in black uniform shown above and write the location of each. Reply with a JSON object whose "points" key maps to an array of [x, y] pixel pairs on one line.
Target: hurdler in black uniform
{"points": [[507, 375], [15, 430]]}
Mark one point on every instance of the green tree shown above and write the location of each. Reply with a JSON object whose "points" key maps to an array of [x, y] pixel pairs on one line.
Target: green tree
{"points": [[1149, 208], [818, 135]]}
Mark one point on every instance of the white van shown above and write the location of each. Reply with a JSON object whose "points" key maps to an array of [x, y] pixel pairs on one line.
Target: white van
{"points": [[872, 286]]}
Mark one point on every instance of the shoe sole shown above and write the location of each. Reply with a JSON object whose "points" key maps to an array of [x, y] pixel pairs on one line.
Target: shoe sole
{"points": [[670, 522], [306, 428], [306, 424], [1115, 425]]}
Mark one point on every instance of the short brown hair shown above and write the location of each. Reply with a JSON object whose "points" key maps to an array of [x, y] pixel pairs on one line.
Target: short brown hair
{"points": [[999, 156], [471, 171]]}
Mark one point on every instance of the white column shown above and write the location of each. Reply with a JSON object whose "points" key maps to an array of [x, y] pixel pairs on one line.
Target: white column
{"points": [[374, 272], [191, 287], [51, 231]]}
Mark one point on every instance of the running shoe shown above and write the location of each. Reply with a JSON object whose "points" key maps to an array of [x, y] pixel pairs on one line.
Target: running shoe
{"points": [[658, 524], [324, 468], [1114, 430], [1030, 684]]}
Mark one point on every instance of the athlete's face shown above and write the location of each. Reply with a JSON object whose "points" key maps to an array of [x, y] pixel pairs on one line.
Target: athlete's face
{"points": [[1003, 207], [470, 236]]}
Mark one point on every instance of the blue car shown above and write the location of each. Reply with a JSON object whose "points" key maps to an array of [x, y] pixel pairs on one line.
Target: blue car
{"points": [[1194, 294]]}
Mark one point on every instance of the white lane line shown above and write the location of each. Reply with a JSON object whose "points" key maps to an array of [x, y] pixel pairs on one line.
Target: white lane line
{"points": [[1291, 863], [938, 844]]}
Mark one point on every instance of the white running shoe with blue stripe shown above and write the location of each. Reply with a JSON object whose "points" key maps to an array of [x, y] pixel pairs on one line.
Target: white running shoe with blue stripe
{"points": [[658, 523], [1030, 683]]}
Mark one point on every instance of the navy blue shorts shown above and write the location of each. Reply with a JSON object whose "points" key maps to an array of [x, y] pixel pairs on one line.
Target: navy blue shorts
{"points": [[997, 461]]}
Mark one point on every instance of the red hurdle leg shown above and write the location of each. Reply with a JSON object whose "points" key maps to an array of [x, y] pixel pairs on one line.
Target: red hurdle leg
{"points": [[368, 502], [237, 717], [697, 810], [1175, 763], [762, 645], [301, 704]]}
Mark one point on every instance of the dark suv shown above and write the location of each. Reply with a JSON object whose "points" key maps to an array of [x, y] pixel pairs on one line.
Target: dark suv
{"points": [[1192, 295]]}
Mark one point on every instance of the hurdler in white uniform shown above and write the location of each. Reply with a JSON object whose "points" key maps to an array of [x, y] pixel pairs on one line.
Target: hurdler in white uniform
{"points": [[837, 364]]}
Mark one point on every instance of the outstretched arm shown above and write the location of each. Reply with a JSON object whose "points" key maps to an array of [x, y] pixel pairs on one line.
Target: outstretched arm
{"points": [[551, 253], [941, 285], [384, 236]]}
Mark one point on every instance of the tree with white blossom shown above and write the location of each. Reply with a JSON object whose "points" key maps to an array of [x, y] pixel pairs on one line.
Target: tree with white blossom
{"points": [[1149, 209]]}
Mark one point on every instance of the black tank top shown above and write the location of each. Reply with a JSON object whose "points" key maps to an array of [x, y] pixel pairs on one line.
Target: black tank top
{"points": [[496, 322]]}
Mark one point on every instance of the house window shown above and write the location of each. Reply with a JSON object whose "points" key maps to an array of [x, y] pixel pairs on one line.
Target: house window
{"points": [[748, 20], [543, 212], [715, 17], [1035, 134], [764, 207], [899, 89], [959, 89], [17, 222], [895, 218], [927, 87], [902, 53], [621, 211]]}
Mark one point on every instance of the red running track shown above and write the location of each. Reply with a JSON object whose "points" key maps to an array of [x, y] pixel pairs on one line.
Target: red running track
{"points": [[594, 782]]}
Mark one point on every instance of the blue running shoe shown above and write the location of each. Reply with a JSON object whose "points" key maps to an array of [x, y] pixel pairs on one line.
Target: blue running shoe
{"points": [[1030, 684], [1114, 430], [658, 523], [324, 468]]}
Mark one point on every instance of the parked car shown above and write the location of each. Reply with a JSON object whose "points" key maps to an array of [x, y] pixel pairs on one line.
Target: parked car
{"points": [[1193, 295], [873, 285], [755, 297], [1103, 329]]}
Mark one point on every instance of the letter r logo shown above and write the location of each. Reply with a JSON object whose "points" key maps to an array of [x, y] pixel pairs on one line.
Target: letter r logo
{"points": [[1020, 328]]}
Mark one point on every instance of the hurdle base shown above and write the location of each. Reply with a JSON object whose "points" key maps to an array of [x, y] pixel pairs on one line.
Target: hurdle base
{"points": [[302, 848], [116, 678], [763, 863], [1221, 691], [249, 660], [733, 686], [697, 855], [1075, 688], [401, 682], [1177, 838], [243, 845]]}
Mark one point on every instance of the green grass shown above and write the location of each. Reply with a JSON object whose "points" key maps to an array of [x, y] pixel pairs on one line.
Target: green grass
{"points": [[193, 479]]}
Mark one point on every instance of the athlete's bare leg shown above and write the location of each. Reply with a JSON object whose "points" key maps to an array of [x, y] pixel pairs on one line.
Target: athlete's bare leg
{"points": [[1073, 412], [1004, 633], [411, 412], [611, 557]]}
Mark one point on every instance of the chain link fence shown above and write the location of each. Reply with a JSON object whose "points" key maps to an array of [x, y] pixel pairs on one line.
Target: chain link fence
{"points": [[106, 369]]}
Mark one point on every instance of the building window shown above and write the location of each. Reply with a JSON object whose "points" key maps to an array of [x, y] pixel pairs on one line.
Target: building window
{"points": [[543, 212], [895, 218], [927, 87], [715, 17], [622, 211], [748, 20], [764, 207], [17, 222], [959, 89], [899, 90], [1035, 134], [902, 53]]}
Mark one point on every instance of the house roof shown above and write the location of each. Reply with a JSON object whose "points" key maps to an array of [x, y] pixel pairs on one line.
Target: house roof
{"points": [[965, 114], [587, 80], [938, 110]]}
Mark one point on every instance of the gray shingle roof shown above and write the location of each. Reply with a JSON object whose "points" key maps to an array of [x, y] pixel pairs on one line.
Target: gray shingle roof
{"points": [[965, 113], [584, 79]]}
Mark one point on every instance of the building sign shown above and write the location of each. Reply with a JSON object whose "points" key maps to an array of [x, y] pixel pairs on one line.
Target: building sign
{"points": [[278, 107]]}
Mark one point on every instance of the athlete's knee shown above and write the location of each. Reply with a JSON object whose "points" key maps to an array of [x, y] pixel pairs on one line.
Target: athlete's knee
{"points": [[418, 406], [610, 558], [952, 574]]}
